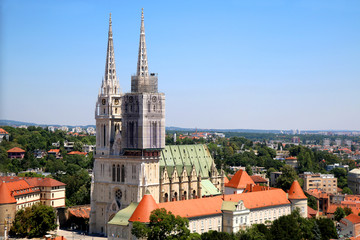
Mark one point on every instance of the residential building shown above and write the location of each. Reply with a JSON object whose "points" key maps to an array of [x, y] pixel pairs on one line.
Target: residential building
{"points": [[89, 148], [39, 153], [69, 146], [55, 152], [273, 177], [324, 182], [19, 192], [354, 180], [336, 165], [16, 153], [350, 226], [292, 161], [4, 135]]}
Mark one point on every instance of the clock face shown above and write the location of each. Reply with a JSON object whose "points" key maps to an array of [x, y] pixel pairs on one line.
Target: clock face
{"points": [[116, 101], [154, 99], [103, 102]]}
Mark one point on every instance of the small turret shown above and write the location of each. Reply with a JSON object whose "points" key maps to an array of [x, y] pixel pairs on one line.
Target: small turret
{"points": [[297, 198]]}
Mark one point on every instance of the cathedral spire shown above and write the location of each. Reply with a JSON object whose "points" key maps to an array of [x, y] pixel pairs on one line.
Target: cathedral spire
{"points": [[110, 82], [142, 66]]}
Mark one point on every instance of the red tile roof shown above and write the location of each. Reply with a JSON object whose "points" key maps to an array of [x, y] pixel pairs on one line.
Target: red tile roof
{"points": [[144, 209], [80, 212], [240, 180], [296, 192], [260, 199], [16, 150], [34, 182], [290, 158], [77, 153], [194, 207], [5, 195], [2, 131], [311, 212], [353, 218], [258, 179], [54, 151]]}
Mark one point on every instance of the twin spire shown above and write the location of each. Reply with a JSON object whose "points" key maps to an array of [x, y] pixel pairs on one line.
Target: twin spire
{"points": [[110, 83], [142, 65]]}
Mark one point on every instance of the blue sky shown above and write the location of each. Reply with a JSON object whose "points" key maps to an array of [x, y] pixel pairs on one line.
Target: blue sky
{"points": [[222, 64]]}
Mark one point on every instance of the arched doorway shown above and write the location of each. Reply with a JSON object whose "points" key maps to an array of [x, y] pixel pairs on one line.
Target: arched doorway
{"points": [[166, 197], [194, 194], [185, 195]]}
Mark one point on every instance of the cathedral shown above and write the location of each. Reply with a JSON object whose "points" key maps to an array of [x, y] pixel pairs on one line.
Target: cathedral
{"points": [[131, 157]]}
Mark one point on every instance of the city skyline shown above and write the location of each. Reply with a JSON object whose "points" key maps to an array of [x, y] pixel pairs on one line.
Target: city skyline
{"points": [[237, 65]]}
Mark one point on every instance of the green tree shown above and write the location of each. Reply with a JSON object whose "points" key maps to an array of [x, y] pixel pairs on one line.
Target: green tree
{"points": [[339, 213], [348, 211], [287, 177], [327, 228], [347, 190], [163, 225], [312, 202], [34, 221], [215, 235]]}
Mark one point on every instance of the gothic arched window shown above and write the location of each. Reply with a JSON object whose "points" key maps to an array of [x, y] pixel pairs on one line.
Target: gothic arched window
{"points": [[118, 173], [113, 173], [122, 173]]}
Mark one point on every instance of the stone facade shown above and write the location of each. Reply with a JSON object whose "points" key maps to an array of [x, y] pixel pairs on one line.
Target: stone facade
{"points": [[131, 157]]}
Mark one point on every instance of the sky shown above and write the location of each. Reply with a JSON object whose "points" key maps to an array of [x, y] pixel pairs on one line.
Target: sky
{"points": [[230, 64]]}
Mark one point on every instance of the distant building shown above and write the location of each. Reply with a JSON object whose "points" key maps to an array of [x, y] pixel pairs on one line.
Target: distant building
{"points": [[295, 140], [51, 128], [16, 153], [39, 153], [324, 182], [354, 180], [69, 146], [292, 161], [348, 142], [55, 152], [77, 153], [88, 148], [350, 226], [273, 177], [336, 165], [338, 142], [220, 135], [3, 135], [91, 131], [64, 128], [326, 142]]}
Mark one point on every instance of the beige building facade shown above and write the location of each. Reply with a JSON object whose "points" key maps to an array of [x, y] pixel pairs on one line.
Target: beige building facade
{"points": [[325, 182]]}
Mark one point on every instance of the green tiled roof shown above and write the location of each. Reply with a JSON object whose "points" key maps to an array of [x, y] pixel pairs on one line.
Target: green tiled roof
{"points": [[186, 156], [122, 216], [208, 188]]}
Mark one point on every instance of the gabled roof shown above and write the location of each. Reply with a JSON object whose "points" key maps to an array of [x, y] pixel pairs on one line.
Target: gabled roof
{"points": [[296, 192], [80, 212], [16, 150], [208, 189], [2, 131], [258, 179], [353, 218], [5, 195], [33, 181], [54, 151], [144, 209], [291, 158], [240, 180]]}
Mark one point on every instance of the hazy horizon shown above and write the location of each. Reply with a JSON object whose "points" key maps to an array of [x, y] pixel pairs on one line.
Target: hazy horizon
{"points": [[275, 65]]}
